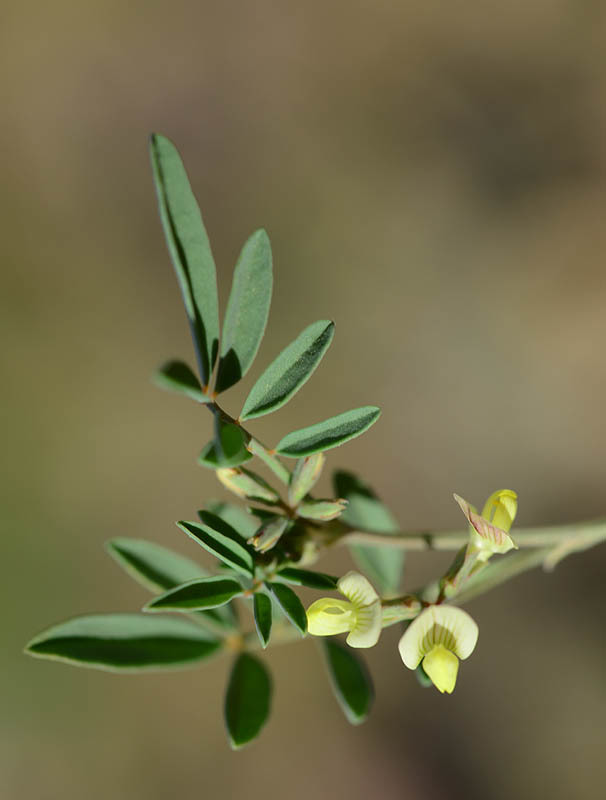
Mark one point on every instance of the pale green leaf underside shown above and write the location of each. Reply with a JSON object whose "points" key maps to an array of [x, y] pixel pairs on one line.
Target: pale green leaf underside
{"points": [[366, 512], [349, 679], [248, 700], [189, 250], [330, 433], [158, 569], [124, 642], [247, 311], [289, 372], [176, 376]]}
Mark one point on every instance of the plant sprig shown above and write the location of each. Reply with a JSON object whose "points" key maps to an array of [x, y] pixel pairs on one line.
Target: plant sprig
{"points": [[267, 548]]}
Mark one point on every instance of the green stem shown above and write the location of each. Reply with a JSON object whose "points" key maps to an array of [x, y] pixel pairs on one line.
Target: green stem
{"points": [[580, 535], [256, 447]]}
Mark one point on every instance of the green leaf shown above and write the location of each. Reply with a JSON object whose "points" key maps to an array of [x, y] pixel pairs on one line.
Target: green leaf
{"points": [[189, 250], [232, 450], [176, 376], [423, 677], [365, 511], [323, 510], [243, 522], [291, 369], [220, 539], [330, 433], [197, 595], [304, 477], [305, 577], [156, 568], [124, 642], [263, 617], [270, 533], [290, 605], [247, 311], [349, 679], [248, 485], [247, 701]]}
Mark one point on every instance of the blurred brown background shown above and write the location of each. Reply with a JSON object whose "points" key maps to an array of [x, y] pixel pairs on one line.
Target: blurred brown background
{"points": [[432, 177]]}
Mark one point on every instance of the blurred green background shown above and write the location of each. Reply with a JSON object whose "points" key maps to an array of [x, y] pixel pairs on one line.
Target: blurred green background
{"points": [[432, 178]]}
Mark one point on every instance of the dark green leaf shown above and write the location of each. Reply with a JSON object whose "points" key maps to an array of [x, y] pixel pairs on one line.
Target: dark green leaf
{"points": [[423, 677], [243, 522], [247, 701], [197, 595], [118, 642], [189, 250], [291, 369], [330, 433], [305, 577], [350, 680], [247, 311], [158, 569], [178, 377], [365, 511], [262, 610], [229, 452], [290, 605], [220, 539]]}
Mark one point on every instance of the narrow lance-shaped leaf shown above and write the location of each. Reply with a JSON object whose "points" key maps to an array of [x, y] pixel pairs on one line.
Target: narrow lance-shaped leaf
{"points": [[157, 568], [349, 679], [189, 250], [228, 449], [247, 311], [124, 642], [323, 510], [176, 376], [290, 605], [330, 433], [304, 477], [291, 369], [263, 617], [247, 701], [248, 485], [220, 539], [366, 512], [243, 522], [196, 595], [306, 577], [269, 534]]}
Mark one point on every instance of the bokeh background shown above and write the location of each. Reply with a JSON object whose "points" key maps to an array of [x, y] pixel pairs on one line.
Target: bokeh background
{"points": [[432, 177]]}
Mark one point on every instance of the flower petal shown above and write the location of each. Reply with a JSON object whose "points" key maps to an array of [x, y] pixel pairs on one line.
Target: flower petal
{"points": [[501, 509], [442, 667], [367, 626], [358, 589], [327, 617], [446, 625], [495, 538]]}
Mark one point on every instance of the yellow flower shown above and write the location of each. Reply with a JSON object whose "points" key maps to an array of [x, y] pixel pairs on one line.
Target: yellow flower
{"points": [[439, 637], [360, 614], [490, 530]]}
